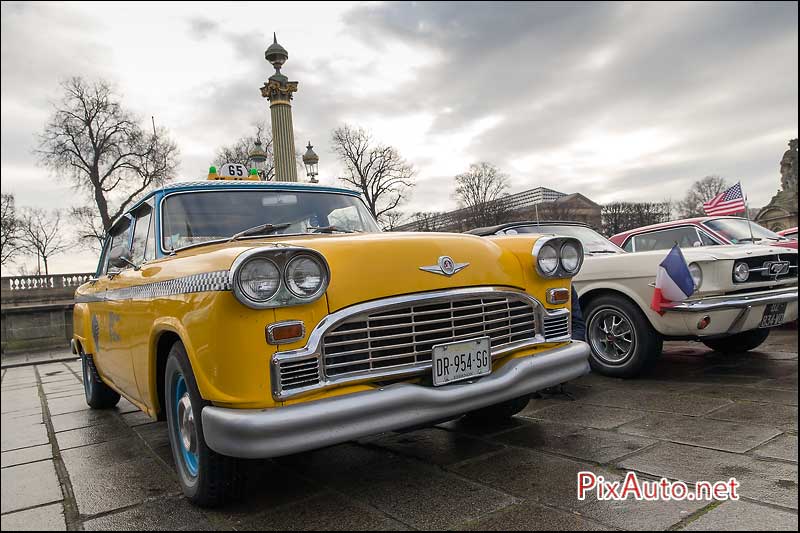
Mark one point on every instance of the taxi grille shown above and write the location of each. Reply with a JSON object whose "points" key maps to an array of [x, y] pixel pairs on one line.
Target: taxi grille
{"points": [[556, 326], [403, 337]]}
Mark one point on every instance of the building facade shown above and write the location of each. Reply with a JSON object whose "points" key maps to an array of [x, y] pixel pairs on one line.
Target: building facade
{"points": [[781, 212], [540, 203]]}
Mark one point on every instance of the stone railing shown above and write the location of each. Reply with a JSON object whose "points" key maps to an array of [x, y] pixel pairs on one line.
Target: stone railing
{"points": [[37, 311], [55, 281]]}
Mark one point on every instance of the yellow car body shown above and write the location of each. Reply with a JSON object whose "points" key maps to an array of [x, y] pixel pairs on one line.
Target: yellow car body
{"points": [[126, 321]]}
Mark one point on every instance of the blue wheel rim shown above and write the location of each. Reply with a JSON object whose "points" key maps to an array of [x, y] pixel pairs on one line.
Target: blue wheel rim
{"points": [[189, 458]]}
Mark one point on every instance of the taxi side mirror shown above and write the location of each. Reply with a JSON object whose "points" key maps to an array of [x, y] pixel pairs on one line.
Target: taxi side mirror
{"points": [[120, 257]]}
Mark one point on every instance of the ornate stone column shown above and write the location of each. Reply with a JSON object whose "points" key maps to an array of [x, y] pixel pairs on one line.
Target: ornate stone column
{"points": [[278, 90]]}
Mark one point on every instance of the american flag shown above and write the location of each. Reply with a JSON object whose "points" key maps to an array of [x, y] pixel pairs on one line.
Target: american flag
{"points": [[729, 202]]}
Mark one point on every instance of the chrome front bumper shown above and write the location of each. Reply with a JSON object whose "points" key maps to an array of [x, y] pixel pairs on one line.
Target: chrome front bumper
{"points": [[734, 301], [315, 424]]}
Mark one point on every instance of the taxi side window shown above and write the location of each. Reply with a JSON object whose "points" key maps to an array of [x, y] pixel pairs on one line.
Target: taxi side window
{"points": [[120, 234], [142, 235]]}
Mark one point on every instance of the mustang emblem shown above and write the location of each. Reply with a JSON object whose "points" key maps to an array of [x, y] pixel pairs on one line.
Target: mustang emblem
{"points": [[446, 266], [776, 268]]}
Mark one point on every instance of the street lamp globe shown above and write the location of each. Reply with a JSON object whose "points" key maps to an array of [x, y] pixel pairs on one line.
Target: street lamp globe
{"points": [[311, 161]]}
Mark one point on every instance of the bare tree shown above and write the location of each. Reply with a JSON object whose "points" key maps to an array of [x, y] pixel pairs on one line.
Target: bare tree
{"points": [[10, 226], [101, 148], [700, 192], [377, 170], [427, 220], [480, 190], [392, 219], [239, 152], [623, 216], [43, 234]]}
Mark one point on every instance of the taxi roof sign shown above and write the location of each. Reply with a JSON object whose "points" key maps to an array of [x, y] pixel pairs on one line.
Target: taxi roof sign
{"points": [[233, 171]]}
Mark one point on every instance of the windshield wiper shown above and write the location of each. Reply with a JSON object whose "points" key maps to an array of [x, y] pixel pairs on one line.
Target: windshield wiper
{"points": [[329, 229], [603, 252], [261, 229]]}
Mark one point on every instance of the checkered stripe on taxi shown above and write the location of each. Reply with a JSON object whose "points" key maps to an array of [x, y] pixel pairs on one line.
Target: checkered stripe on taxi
{"points": [[206, 282]]}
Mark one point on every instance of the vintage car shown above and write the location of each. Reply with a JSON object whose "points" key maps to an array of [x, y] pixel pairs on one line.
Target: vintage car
{"points": [[789, 233], [262, 319], [741, 292], [700, 231]]}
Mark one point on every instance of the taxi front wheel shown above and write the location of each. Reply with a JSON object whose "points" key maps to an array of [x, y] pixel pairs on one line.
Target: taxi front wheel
{"points": [[207, 478]]}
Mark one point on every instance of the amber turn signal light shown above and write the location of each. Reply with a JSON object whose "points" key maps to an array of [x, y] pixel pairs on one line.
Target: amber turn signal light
{"points": [[557, 296], [285, 332]]}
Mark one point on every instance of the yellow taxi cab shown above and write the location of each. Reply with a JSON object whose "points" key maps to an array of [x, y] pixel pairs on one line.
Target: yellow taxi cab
{"points": [[262, 319]]}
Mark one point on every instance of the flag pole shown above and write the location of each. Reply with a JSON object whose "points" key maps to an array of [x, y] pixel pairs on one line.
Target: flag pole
{"points": [[747, 214]]}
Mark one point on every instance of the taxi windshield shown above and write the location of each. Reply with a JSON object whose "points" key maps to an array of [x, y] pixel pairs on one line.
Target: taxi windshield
{"points": [[198, 217]]}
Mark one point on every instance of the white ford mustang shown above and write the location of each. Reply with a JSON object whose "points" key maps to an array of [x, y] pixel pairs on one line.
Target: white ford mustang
{"points": [[740, 293]]}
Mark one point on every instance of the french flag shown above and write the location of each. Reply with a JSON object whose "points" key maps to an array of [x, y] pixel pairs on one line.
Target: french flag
{"points": [[673, 282]]}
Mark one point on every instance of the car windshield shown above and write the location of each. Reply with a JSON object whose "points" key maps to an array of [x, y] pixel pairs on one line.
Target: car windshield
{"points": [[203, 216], [737, 230], [592, 241]]}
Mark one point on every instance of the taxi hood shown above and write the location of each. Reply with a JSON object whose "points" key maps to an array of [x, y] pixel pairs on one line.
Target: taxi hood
{"points": [[369, 266]]}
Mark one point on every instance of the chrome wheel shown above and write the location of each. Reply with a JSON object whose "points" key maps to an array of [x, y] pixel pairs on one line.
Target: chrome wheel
{"points": [[611, 336], [185, 428]]}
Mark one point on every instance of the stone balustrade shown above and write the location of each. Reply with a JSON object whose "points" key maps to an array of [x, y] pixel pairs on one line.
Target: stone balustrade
{"points": [[37, 311]]}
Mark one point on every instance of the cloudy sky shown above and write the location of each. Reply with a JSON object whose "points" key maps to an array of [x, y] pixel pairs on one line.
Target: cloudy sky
{"points": [[617, 101]]}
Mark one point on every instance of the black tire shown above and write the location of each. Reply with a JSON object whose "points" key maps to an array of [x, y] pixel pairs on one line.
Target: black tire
{"points": [[612, 354], [498, 412], [98, 394], [741, 342], [208, 479]]}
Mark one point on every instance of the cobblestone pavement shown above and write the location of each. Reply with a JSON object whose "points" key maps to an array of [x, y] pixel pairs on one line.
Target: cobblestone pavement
{"points": [[697, 415]]}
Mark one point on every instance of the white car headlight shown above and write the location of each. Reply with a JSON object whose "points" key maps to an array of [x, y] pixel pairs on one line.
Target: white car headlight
{"points": [[547, 259], [259, 279], [697, 275], [305, 276], [570, 257], [741, 272]]}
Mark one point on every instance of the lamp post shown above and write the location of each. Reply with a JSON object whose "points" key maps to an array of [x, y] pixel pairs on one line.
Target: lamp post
{"points": [[257, 156], [311, 161]]}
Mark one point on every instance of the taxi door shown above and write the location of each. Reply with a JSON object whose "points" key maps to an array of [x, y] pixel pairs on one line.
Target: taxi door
{"points": [[108, 316]]}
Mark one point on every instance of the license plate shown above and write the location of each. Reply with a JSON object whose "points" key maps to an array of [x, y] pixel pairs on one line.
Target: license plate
{"points": [[457, 361], [773, 315]]}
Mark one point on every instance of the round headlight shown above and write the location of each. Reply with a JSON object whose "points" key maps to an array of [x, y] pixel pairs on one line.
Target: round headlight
{"points": [[304, 276], [570, 257], [259, 279], [741, 272], [697, 275], [547, 259]]}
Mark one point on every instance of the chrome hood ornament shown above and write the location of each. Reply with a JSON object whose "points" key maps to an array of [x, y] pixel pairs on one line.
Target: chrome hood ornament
{"points": [[446, 266]]}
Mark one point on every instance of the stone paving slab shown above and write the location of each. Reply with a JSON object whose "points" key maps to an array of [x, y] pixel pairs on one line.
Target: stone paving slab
{"points": [[763, 414], [27, 455], [172, 513], [745, 516], [590, 416], [765, 481], [783, 447], [532, 516], [716, 434], [575, 441], [45, 518], [29, 485]]}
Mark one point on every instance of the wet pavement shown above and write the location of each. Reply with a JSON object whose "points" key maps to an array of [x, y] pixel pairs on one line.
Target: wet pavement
{"points": [[697, 415]]}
